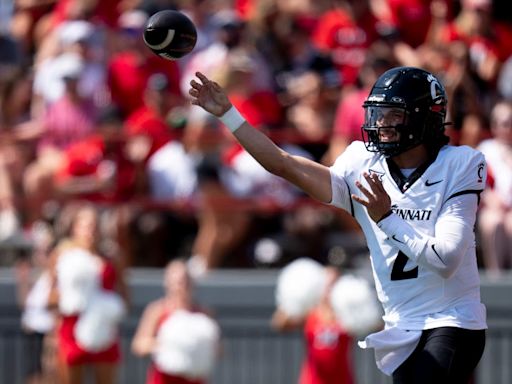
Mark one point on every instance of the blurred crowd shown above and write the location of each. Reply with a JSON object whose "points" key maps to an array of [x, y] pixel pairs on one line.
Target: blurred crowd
{"points": [[88, 112], [89, 115]]}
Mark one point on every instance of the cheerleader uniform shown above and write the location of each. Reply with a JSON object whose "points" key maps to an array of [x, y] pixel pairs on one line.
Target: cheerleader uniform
{"points": [[69, 350], [156, 376], [328, 352]]}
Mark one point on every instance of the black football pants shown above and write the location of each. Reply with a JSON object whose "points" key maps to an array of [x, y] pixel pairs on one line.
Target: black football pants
{"points": [[445, 355]]}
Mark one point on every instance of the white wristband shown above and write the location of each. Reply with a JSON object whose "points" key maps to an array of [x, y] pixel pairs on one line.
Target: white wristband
{"points": [[232, 119]]}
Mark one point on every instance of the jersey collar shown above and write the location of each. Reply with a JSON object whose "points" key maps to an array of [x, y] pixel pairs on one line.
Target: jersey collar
{"points": [[404, 183]]}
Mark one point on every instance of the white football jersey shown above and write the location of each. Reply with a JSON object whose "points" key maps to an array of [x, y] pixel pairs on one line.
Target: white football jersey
{"points": [[415, 292]]}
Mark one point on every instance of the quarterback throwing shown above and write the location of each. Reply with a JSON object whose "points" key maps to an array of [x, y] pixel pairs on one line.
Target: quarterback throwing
{"points": [[415, 198]]}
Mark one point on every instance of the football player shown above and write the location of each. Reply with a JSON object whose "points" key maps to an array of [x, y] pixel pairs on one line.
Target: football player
{"points": [[415, 198]]}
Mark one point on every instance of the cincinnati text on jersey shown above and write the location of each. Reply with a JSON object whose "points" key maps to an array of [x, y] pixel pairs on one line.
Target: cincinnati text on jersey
{"points": [[412, 214]]}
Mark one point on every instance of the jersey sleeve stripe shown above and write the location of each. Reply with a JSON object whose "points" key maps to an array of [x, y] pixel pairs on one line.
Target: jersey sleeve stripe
{"points": [[467, 192]]}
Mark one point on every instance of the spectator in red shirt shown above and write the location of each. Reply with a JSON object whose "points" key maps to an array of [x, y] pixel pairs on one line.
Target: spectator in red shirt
{"points": [[411, 19], [97, 168], [151, 122], [238, 77], [488, 40], [346, 31]]}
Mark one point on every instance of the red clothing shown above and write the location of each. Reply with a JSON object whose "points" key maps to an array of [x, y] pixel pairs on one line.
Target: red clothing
{"points": [[245, 8], [127, 78], [69, 351], [328, 352], [144, 121], [261, 108], [105, 12], [346, 40], [155, 376], [412, 19], [496, 44], [84, 159]]}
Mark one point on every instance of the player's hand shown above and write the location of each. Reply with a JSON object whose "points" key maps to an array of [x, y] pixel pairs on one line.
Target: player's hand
{"points": [[209, 95], [379, 202]]}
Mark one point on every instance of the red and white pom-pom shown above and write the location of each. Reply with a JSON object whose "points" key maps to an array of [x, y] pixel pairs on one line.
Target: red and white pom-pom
{"points": [[187, 344], [355, 305], [300, 287], [78, 277], [97, 327]]}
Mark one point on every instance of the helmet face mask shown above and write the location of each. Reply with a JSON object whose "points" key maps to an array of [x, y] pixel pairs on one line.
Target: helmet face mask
{"points": [[405, 108], [383, 128]]}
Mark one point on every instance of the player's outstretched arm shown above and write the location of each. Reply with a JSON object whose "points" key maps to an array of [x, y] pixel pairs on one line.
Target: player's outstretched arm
{"points": [[313, 178]]}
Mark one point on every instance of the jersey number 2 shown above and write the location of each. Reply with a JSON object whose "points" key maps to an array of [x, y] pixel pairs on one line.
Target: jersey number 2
{"points": [[398, 273]]}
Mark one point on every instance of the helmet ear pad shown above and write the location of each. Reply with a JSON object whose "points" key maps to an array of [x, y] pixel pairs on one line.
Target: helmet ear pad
{"points": [[414, 131], [421, 127], [430, 127]]}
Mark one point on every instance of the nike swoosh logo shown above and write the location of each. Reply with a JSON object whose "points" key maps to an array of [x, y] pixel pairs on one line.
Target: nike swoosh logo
{"points": [[394, 238], [428, 183], [163, 44]]}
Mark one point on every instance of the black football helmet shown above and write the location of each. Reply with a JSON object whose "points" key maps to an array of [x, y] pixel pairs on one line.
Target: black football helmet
{"points": [[406, 107]]}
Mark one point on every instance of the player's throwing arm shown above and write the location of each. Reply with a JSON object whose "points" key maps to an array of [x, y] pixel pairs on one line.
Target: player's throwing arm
{"points": [[313, 178]]}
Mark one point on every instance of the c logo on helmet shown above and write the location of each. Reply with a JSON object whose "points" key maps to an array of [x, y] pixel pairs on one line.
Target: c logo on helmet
{"points": [[436, 90]]}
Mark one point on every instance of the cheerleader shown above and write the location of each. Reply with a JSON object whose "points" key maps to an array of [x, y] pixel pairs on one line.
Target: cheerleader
{"points": [[90, 295], [181, 339], [303, 300]]}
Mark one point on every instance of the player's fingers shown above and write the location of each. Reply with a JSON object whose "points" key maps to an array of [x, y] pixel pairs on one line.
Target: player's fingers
{"points": [[371, 182], [194, 84], [216, 86], [377, 182], [366, 192], [193, 92], [359, 200], [202, 77]]}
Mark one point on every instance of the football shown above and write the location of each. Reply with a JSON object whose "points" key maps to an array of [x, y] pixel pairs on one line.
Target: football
{"points": [[170, 34]]}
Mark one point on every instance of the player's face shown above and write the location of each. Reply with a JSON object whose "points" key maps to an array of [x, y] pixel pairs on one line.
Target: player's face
{"points": [[385, 119], [388, 135]]}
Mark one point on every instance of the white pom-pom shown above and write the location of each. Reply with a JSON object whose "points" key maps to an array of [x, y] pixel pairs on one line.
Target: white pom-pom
{"points": [[78, 277], [355, 305], [300, 286], [187, 345], [96, 329]]}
